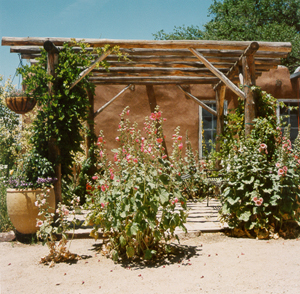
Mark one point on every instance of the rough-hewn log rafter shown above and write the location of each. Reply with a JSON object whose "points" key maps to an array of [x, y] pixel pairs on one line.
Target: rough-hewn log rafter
{"points": [[220, 75]]}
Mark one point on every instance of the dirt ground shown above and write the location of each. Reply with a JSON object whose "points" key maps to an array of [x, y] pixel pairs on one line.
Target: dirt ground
{"points": [[212, 263]]}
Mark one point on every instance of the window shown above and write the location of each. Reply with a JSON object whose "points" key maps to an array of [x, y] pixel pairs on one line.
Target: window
{"points": [[208, 127], [293, 116]]}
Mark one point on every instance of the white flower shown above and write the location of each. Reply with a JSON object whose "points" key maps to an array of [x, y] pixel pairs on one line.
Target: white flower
{"points": [[39, 223]]}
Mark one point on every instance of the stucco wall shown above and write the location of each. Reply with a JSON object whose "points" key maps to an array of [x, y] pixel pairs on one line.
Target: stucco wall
{"points": [[179, 110]]}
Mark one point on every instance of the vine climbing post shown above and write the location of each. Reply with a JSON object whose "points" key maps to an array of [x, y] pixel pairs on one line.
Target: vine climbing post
{"points": [[248, 82], [54, 152]]}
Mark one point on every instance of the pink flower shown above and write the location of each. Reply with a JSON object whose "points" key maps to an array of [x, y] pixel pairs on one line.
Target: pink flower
{"points": [[159, 140], [149, 149], [263, 146], [36, 203], [179, 138], [112, 176], [280, 172], [135, 160], [176, 200], [94, 177], [101, 153], [254, 199], [164, 156], [127, 112], [135, 188], [100, 140], [164, 119], [102, 204], [277, 164], [66, 212], [103, 188], [116, 157], [299, 161], [117, 139], [180, 146], [153, 116]]}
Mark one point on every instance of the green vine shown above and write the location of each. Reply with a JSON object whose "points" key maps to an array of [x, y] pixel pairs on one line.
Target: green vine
{"points": [[61, 114]]}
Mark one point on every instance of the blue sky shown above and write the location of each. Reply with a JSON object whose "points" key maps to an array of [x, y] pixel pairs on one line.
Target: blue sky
{"points": [[111, 19]]}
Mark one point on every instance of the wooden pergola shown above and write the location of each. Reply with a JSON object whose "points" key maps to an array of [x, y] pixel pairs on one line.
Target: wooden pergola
{"points": [[178, 62]]}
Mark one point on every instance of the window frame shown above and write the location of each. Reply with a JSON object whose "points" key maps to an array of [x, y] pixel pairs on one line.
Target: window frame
{"points": [[200, 122]]}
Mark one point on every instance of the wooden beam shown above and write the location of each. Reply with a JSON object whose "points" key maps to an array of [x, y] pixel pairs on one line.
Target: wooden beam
{"points": [[155, 44], [251, 50], [89, 69], [220, 75], [90, 124], [210, 110], [249, 80], [111, 101], [168, 79], [53, 149]]}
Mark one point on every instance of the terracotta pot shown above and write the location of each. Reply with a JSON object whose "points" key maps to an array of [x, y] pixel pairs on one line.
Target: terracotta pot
{"points": [[20, 105], [22, 210]]}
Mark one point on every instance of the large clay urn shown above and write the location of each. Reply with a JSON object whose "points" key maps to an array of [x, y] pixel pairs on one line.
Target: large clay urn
{"points": [[22, 210]]}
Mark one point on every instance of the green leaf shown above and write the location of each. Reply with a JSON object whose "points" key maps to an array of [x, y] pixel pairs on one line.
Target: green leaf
{"points": [[129, 251], [163, 196], [147, 254], [164, 178], [115, 255], [249, 182], [134, 229], [123, 241], [268, 191], [245, 216]]}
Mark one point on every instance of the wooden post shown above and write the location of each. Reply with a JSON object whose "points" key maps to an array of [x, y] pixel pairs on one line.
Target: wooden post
{"points": [[249, 80], [220, 97], [90, 123], [153, 104], [54, 152]]}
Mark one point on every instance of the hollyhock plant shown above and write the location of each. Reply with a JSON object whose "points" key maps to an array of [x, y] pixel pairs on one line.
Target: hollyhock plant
{"points": [[143, 187], [261, 172]]}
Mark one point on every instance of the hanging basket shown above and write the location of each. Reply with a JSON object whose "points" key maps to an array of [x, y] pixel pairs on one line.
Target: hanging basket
{"points": [[20, 104]]}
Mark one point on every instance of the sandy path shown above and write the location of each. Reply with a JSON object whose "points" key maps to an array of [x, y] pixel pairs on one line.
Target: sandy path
{"points": [[220, 265]]}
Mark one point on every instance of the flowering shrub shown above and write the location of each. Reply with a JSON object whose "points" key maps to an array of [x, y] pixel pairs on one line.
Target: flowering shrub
{"points": [[32, 172], [262, 173], [136, 200]]}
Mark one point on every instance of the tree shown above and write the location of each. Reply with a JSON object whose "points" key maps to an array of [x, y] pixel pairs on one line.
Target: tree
{"points": [[249, 20]]}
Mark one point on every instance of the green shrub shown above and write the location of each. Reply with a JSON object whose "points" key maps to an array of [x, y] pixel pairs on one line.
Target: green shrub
{"points": [[262, 173]]}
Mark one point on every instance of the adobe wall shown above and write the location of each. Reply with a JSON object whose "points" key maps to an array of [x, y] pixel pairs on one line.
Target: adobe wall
{"points": [[175, 106]]}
